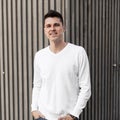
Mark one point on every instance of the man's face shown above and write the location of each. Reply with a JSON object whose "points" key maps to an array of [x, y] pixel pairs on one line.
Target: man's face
{"points": [[53, 29]]}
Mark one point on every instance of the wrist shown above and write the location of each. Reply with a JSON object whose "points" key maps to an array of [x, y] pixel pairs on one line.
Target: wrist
{"points": [[73, 117]]}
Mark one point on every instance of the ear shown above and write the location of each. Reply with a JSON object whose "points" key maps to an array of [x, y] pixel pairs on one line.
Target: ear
{"points": [[64, 28], [45, 32], [44, 29]]}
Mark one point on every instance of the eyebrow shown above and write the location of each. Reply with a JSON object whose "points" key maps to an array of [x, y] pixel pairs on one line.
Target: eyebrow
{"points": [[56, 24]]}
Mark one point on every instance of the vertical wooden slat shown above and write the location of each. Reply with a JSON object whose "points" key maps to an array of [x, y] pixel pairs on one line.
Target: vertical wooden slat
{"points": [[2, 116], [100, 42], [117, 54], [40, 24], [85, 20], [72, 25], [34, 31], [89, 39], [93, 60], [77, 25], [103, 61], [10, 54], [106, 60], [114, 59], [85, 36], [6, 97], [68, 37], [24, 53], [81, 22], [15, 59], [118, 59], [58, 5], [47, 4], [118, 37], [112, 52], [19, 100], [30, 57], [52, 4], [110, 61]]}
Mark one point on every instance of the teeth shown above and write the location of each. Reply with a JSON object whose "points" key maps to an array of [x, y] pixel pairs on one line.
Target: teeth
{"points": [[53, 33]]}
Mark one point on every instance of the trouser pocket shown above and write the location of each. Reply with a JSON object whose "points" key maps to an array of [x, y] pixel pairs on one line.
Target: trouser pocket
{"points": [[40, 119]]}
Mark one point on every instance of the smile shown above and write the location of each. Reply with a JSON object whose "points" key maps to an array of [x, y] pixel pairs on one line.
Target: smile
{"points": [[53, 34]]}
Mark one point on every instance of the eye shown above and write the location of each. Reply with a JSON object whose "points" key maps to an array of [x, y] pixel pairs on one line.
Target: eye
{"points": [[56, 24], [48, 26]]}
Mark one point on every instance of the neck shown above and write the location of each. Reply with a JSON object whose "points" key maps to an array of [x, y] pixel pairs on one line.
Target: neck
{"points": [[56, 47]]}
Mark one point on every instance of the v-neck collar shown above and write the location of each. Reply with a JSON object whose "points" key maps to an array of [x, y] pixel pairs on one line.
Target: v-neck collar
{"points": [[60, 52]]}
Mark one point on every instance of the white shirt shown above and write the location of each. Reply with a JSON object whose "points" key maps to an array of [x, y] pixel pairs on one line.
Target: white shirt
{"points": [[61, 82]]}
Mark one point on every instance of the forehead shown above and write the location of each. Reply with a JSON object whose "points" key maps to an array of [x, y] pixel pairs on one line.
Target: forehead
{"points": [[52, 20]]}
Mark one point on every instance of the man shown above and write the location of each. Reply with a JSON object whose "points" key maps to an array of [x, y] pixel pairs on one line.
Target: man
{"points": [[61, 75]]}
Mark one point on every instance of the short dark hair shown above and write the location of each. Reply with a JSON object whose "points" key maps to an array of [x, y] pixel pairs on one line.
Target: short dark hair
{"points": [[53, 13]]}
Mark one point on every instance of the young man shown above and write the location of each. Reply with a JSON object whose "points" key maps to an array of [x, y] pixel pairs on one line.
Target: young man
{"points": [[61, 75]]}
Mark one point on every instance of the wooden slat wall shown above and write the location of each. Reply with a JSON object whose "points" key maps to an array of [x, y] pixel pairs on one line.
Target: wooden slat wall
{"points": [[93, 24]]}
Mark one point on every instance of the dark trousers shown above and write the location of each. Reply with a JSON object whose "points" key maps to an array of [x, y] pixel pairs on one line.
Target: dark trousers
{"points": [[46, 119], [40, 119]]}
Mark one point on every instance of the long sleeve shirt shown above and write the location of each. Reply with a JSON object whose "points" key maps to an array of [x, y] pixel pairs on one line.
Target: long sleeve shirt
{"points": [[61, 82]]}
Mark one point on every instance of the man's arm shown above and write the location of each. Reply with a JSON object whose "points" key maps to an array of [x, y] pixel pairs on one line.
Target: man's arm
{"points": [[36, 89], [84, 84]]}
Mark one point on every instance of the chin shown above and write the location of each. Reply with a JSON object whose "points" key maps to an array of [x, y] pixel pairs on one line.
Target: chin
{"points": [[54, 39]]}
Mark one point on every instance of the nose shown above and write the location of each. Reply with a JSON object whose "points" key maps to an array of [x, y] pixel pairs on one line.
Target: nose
{"points": [[52, 27]]}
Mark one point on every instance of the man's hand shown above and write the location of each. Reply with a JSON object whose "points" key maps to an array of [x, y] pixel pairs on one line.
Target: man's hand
{"points": [[37, 114], [67, 117]]}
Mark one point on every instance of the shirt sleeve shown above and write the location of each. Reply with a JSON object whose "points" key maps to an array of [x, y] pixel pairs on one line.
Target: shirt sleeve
{"points": [[36, 85], [84, 83]]}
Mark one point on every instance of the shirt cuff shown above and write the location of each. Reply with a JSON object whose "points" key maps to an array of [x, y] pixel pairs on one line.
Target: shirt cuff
{"points": [[76, 113], [34, 108]]}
